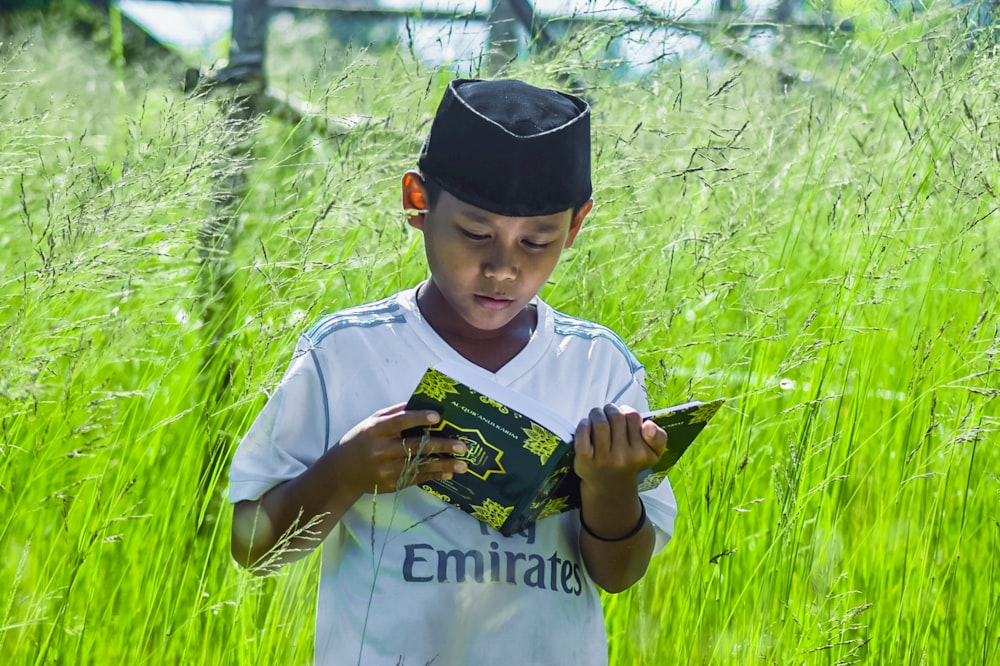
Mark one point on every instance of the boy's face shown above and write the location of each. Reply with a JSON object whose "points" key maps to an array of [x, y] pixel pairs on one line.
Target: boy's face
{"points": [[486, 267]]}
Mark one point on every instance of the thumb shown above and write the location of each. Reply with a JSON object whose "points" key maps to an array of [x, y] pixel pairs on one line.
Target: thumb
{"points": [[654, 436]]}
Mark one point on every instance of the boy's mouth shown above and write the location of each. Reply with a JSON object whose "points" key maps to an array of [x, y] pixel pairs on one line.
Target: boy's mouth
{"points": [[493, 302]]}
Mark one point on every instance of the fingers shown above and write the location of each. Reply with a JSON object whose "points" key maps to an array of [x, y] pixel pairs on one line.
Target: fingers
{"points": [[391, 410], [582, 445], [633, 425], [431, 469], [433, 459], [419, 446], [613, 442], [390, 459], [413, 460], [397, 419], [601, 430], [609, 430]]}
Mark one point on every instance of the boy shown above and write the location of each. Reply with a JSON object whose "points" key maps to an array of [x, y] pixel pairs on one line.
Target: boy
{"points": [[503, 188]]}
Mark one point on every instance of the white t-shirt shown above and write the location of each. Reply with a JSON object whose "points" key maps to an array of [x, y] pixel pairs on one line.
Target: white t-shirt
{"points": [[406, 578]]}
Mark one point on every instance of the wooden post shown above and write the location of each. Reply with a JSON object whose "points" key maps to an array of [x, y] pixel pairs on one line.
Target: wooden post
{"points": [[249, 42], [783, 12], [502, 43], [984, 22]]}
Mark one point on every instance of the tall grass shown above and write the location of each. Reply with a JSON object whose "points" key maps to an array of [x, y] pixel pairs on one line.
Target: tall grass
{"points": [[827, 258]]}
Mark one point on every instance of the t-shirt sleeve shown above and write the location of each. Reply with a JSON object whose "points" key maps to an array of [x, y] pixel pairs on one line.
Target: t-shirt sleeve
{"points": [[288, 435], [661, 505]]}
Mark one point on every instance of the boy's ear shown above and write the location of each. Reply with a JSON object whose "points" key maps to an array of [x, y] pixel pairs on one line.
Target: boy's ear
{"points": [[577, 222], [414, 198]]}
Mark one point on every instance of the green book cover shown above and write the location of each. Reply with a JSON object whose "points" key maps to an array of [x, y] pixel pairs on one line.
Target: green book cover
{"points": [[520, 453]]}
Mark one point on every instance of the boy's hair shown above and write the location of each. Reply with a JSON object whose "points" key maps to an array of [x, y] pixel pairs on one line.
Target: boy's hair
{"points": [[433, 191], [509, 148]]}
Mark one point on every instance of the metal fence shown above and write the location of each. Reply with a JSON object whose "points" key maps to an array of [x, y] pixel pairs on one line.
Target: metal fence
{"points": [[504, 28]]}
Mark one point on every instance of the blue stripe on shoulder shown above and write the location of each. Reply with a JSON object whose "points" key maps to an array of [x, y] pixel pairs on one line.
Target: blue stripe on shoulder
{"points": [[326, 398], [386, 311], [567, 325]]}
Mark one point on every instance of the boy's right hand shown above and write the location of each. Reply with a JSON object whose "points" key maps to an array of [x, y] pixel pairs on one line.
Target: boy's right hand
{"points": [[385, 461]]}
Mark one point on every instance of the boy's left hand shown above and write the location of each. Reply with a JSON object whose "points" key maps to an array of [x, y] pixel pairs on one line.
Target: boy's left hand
{"points": [[613, 445]]}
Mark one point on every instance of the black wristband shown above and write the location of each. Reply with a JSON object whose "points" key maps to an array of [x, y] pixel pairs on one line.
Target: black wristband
{"points": [[635, 530]]}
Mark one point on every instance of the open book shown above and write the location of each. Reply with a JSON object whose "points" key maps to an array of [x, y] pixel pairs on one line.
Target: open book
{"points": [[520, 453]]}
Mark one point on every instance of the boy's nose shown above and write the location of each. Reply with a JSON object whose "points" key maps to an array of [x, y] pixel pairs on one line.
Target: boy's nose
{"points": [[500, 264]]}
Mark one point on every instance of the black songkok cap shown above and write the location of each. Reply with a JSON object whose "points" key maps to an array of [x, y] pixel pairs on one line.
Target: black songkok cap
{"points": [[510, 148]]}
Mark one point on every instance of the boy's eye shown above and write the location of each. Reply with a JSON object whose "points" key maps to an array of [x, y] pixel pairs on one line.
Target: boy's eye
{"points": [[474, 236], [537, 245]]}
